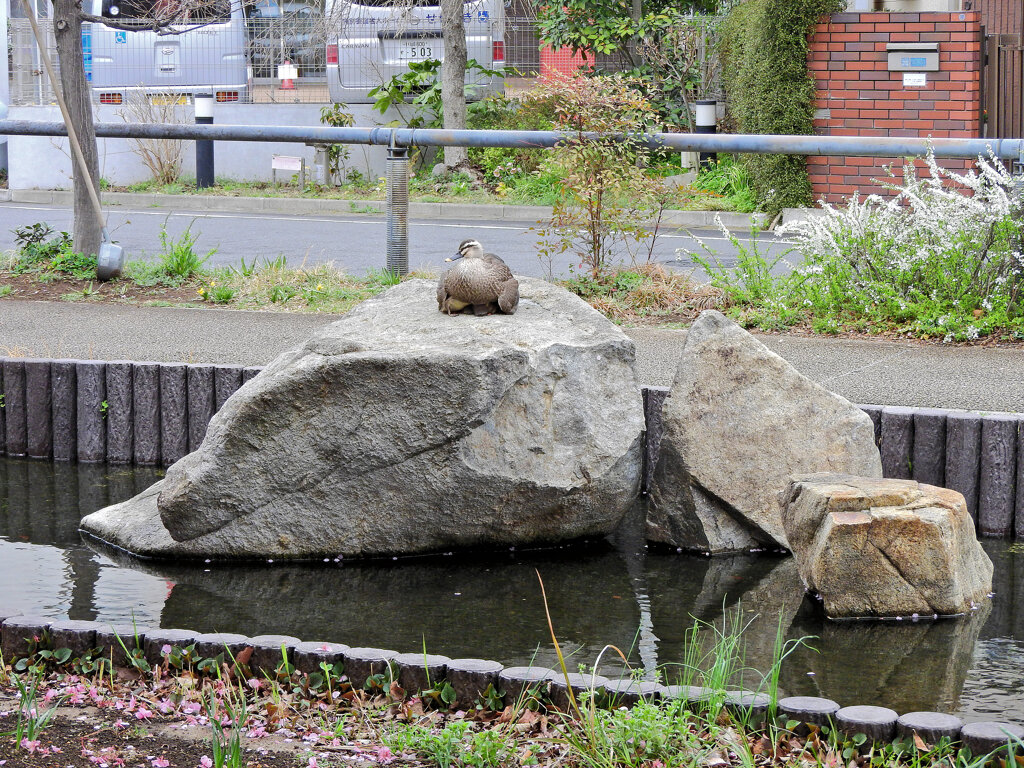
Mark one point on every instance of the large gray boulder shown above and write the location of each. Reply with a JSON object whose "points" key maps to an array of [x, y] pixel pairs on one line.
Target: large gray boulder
{"points": [[880, 548], [738, 422], [400, 429]]}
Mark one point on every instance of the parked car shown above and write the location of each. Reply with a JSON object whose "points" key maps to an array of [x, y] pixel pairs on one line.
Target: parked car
{"points": [[208, 57], [371, 41]]}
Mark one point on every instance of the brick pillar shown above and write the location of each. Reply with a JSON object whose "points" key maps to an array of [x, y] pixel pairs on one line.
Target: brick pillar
{"points": [[858, 96]]}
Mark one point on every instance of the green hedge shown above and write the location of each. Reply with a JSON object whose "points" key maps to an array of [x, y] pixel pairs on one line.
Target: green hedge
{"points": [[770, 90]]}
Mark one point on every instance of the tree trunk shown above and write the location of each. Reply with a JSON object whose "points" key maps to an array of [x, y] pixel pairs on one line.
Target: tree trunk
{"points": [[67, 28], [453, 76]]}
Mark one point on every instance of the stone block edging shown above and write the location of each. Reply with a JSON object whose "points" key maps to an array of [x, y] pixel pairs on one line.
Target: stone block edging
{"points": [[470, 677], [152, 414]]}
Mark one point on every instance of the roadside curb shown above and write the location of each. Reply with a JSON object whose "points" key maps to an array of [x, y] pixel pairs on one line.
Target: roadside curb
{"points": [[313, 206]]}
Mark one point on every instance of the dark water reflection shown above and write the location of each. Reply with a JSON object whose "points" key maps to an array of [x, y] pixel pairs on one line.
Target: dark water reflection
{"points": [[489, 605]]}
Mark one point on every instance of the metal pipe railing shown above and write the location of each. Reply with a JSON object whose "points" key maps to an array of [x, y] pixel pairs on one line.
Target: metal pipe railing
{"points": [[850, 146], [398, 140]]}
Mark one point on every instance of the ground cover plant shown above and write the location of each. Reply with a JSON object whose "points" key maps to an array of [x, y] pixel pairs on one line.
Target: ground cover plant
{"points": [[939, 257], [185, 711]]}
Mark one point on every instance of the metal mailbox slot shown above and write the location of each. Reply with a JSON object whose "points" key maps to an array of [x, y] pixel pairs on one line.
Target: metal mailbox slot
{"points": [[913, 57]]}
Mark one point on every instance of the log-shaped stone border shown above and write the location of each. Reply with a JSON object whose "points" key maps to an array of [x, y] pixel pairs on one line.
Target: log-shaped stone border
{"points": [[21, 635], [124, 412]]}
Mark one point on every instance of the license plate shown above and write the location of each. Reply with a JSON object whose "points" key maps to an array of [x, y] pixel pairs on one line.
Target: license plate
{"points": [[167, 100], [419, 52]]}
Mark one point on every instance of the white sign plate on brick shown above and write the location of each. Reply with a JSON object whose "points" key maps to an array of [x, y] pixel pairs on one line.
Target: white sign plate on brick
{"points": [[915, 79]]}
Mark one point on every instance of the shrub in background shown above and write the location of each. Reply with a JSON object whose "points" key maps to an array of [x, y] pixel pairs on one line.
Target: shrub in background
{"points": [[770, 91], [939, 258], [605, 194], [942, 255]]}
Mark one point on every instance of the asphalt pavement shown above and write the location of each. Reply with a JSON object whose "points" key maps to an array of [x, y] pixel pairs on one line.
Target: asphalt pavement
{"points": [[231, 229], [877, 372]]}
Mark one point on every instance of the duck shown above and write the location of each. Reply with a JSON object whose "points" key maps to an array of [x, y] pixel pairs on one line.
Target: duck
{"points": [[480, 282]]}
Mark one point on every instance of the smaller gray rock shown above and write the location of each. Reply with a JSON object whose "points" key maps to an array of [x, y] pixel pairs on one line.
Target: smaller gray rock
{"points": [[985, 737], [877, 723], [932, 727], [310, 655], [812, 710], [471, 678], [739, 421], [582, 686], [361, 664], [520, 682]]}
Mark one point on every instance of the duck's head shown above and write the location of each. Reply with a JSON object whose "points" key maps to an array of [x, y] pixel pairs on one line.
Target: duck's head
{"points": [[470, 249]]}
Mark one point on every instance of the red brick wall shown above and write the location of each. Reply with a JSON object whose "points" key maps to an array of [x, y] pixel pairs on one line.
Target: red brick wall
{"points": [[858, 96]]}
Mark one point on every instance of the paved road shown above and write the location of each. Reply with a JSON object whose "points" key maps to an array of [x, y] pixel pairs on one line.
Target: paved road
{"points": [[887, 373], [355, 243]]}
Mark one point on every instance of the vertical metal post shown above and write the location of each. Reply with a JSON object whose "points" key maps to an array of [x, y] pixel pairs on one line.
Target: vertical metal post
{"points": [[707, 122], [204, 148], [398, 209]]}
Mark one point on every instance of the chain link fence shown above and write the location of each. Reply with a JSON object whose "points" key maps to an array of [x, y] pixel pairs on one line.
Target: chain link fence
{"points": [[296, 36]]}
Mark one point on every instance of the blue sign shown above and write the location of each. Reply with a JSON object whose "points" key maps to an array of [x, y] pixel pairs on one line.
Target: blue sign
{"points": [[120, 36], [87, 51], [913, 61]]}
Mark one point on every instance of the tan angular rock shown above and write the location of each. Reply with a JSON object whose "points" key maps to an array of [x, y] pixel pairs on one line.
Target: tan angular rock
{"points": [[875, 548], [738, 423]]}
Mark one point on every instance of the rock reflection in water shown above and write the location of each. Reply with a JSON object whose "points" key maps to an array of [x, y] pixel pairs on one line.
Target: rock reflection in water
{"points": [[490, 606], [905, 665]]}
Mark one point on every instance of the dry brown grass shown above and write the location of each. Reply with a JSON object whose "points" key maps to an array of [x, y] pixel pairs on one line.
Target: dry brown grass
{"points": [[648, 292]]}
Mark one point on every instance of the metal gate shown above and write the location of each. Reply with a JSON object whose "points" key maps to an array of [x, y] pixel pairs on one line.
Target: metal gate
{"points": [[1002, 51]]}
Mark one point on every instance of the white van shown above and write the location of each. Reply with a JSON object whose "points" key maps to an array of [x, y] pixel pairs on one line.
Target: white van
{"points": [[210, 57], [376, 40]]}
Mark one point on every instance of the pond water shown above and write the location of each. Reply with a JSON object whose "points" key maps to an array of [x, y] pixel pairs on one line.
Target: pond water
{"points": [[489, 605]]}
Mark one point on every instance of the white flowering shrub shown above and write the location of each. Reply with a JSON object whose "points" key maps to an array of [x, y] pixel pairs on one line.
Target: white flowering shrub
{"points": [[939, 257]]}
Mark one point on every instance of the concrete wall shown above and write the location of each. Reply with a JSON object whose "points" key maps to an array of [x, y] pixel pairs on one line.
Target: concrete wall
{"points": [[155, 413], [43, 162]]}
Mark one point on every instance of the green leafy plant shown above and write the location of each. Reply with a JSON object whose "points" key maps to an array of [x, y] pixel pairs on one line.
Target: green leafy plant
{"points": [[729, 180], [419, 86], [179, 258], [764, 57], [216, 292], [336, 116], [52, 257], [606, 196], [32, 719]]}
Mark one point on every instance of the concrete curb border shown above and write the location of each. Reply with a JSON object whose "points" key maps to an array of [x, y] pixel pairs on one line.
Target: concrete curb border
{"points": [[144, 413], [313, 206], [471, 677]]}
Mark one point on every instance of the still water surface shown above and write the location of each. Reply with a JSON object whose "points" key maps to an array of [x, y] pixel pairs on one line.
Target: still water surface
{"points": [[489, 606]]}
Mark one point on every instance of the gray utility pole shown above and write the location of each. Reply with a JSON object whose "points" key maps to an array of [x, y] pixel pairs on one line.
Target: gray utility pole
{"points": [[5, 85], [453, 76]]}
